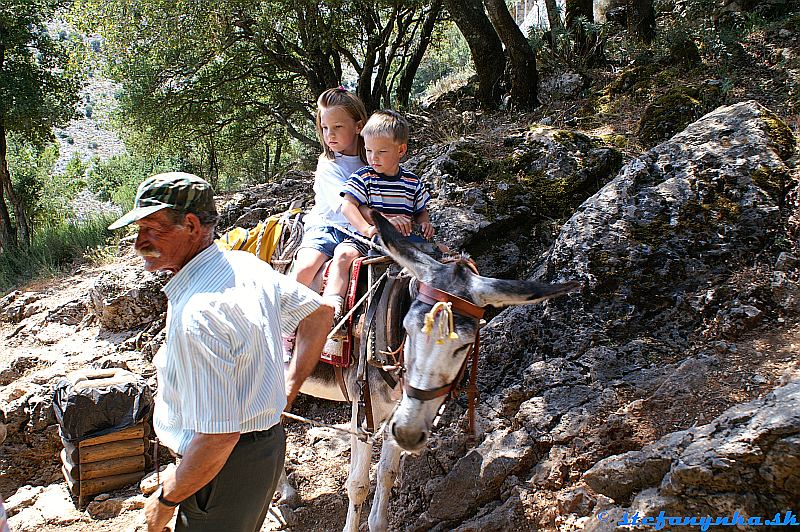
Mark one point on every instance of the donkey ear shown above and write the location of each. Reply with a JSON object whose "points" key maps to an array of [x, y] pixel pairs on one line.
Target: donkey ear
{"points": [[406, 254], [501, 292]]}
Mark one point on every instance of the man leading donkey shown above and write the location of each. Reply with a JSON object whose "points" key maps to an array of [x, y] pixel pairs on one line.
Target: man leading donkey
{"points": [[220, 372]]}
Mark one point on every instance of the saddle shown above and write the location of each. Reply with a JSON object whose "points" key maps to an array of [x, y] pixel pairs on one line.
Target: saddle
{"points": [[377, 324]]}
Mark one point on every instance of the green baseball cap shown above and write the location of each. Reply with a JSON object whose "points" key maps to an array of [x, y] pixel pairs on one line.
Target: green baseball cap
{"points": [[172, 190]]}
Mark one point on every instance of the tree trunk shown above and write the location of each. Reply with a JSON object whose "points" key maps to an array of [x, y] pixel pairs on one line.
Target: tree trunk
{"points": [[484, 45], [642, 20], [524, 77], [20, 233], [213, 164], [7, 235], [553, 16], [276, 164], [403, 92], [266, 160]]}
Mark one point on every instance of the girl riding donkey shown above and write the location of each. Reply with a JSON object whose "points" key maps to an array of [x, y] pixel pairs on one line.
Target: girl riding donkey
{"points": [[340, 117]]}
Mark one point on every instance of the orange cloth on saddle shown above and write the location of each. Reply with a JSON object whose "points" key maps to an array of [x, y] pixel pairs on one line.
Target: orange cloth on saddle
{"points": [[261, 240]]}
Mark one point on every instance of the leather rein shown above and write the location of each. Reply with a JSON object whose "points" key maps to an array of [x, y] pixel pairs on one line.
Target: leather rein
{"points": [[431, 296]]}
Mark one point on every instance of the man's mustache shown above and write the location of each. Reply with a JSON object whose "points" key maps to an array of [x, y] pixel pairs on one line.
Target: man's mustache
{"points": [[148, 253]]}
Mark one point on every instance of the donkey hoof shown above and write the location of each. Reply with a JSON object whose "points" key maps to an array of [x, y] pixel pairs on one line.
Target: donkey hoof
{"points": [[289, 500]]}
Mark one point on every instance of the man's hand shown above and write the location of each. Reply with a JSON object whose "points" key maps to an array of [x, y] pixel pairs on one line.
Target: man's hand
{"points": [[401, 222], [158, 515], [205, 457]]}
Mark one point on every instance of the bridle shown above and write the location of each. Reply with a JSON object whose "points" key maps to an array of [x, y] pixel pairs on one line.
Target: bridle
{"points": [[431, 296]]}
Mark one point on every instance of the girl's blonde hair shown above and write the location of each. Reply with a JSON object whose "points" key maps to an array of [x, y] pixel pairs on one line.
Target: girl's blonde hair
{"points": [[341, 97]]}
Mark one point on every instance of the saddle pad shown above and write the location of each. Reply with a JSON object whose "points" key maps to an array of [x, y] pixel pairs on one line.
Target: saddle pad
{"points": [[338, 351]]}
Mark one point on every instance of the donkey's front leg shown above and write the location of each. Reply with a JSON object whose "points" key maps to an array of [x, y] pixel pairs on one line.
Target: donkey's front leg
{"points": [[358, 479], [388, 468], [289, 495]]}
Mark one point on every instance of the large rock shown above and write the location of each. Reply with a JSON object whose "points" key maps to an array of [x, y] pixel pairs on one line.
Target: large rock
{"points": [[128, 297], [681, 216], [654, 249], [746, 460], [490, 199], [17, 306]]}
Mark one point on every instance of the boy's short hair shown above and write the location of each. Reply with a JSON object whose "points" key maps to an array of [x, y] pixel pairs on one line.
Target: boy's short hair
{"points": [[387, 123]]}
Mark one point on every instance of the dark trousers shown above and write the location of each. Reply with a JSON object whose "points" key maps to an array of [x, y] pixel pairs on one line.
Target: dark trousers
{"points": [[238, 498]]}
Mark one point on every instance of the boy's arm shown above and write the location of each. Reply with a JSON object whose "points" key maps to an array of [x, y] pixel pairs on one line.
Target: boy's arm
{"points": [[423, 218], [351, 211], [364, 210]]}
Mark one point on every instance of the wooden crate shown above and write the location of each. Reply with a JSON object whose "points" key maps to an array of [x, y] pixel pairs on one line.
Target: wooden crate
{"points": [[106, 462]]}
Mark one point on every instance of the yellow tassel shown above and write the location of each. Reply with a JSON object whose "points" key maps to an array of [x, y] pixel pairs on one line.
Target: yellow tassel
{"points": [[446, 328]]}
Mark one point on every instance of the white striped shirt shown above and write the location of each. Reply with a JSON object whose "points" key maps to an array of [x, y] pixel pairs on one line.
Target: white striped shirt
{"points": [[221, 367]]}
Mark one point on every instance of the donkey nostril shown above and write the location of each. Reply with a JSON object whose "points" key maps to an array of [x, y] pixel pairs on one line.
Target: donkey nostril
{"points": [[423, 435], [392, 429]]}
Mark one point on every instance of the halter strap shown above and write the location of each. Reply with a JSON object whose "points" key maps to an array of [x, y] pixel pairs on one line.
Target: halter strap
{"points": [[430, 295]]}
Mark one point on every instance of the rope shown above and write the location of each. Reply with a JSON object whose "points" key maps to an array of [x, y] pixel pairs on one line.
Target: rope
{"points": [[358, 303], [446, 328], [363, 240], [361, 436], [291, 236]]}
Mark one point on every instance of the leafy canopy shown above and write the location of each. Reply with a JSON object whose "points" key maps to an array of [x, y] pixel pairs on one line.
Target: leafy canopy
{"points": [[39, 77]]}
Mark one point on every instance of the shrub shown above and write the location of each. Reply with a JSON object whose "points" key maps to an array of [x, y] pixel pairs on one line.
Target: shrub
{"points": [[53, 249], [117, 178]]}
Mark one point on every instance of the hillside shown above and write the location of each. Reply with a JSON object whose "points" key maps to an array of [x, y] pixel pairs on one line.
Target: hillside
{"points": [[668, 188]]}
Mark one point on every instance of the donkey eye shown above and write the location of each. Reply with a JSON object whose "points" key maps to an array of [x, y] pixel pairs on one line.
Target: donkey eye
{"points": [[461, 350]]}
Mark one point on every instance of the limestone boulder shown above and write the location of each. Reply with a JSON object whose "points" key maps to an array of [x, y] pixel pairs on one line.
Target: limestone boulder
{"points": [[17, 306], [128, 297], [745, 460], [494, 201], [680, 217]]}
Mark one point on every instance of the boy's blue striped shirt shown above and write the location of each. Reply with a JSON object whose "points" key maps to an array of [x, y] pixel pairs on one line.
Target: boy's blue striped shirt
{"points": [[404, 193]]}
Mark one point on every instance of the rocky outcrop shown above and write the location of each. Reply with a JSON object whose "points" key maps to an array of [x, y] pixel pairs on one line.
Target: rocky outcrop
{"points": [[16, 306], [251, 205], [679, 218], [489, 200], [673, 111], [128, 297], [659, 249], [746, 460]]}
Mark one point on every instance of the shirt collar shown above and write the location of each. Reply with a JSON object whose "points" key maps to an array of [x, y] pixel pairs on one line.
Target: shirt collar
{"points": [[388, 177], [181, 280]]}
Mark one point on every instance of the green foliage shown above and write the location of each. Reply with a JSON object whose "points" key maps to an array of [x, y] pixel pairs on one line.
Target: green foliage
{"points": [[38, 90], [214, 80], [53, 249], [41, 77], [45, 195], [117, 178], [576, 49], [448, 56]]}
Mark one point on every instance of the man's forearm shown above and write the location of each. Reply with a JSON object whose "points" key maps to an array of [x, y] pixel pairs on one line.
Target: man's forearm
{"points": [[311, 336], [205, 457]]}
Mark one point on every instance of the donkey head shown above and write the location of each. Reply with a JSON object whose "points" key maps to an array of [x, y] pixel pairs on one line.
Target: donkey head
{"points": [[433, 355]]}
